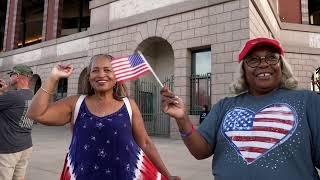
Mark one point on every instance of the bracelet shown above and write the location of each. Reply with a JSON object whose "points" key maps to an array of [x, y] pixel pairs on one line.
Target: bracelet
{"points": [[189, 133], [43, 89]]}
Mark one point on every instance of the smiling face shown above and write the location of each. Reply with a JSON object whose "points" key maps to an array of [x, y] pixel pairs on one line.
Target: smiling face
{"points": [[265, 77], [101, 76]]}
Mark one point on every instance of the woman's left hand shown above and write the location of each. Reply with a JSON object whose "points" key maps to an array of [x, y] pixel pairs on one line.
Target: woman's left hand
{"points": [[174, 178]]}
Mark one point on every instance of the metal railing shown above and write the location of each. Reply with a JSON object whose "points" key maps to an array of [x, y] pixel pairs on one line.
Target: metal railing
{"points": [[200, 92], [148, 98]]}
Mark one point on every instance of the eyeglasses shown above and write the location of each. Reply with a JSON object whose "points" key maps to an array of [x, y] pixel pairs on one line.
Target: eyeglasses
{"points": [[271, 59]]}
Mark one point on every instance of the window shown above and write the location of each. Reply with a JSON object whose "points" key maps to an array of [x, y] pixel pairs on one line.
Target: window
{"points": [[76, 16], [3, 13], [200, 80], [31, 23], [62, 89], [314, 12]]}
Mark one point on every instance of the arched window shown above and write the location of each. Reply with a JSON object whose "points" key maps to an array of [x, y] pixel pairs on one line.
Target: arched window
{"points": [[62, 89]]}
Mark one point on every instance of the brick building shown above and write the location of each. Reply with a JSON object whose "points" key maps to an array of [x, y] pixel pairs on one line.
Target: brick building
{"points": [[192, 45]]}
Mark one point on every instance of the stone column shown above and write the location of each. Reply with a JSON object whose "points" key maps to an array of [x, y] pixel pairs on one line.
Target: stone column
{"points": [[52, 19], [304, 11], [11, 35]]}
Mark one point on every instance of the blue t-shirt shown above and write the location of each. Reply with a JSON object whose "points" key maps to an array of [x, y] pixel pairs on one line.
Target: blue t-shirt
{"points": [[276, 136]]}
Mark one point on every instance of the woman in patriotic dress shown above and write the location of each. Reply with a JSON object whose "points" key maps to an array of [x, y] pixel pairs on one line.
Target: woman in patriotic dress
{"points": [[109, 139]]}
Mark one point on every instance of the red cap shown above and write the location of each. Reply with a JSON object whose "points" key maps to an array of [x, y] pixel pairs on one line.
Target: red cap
{"points": [[258, 42]]}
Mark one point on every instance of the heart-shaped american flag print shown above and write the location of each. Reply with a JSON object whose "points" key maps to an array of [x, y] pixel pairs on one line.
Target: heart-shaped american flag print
{"points": [[254, 134]]}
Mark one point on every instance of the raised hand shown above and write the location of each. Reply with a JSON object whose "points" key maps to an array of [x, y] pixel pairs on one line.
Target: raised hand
{"points": [[172, 104], [61, 71], [3, 85]]}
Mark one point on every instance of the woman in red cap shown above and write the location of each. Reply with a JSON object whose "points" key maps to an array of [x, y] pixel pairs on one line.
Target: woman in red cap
{"points": [[267, 131]]}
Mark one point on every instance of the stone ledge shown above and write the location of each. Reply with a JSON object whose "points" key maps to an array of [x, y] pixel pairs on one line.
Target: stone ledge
{"points": [[97, 3], [156, 14], [43, 61], [45, 44]]}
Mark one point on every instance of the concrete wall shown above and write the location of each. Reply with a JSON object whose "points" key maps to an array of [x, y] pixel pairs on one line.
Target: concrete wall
{"points": [[126, 8], [301, 42], [223, 27], [42, 57], [184, 26], [262, 20]]}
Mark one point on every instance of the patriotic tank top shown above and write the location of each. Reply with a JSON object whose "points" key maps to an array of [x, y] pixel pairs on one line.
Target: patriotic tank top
{"points": [[103, 148]]}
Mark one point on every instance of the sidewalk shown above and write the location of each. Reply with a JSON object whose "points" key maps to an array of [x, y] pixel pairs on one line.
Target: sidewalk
{"points": [[50, 147]]}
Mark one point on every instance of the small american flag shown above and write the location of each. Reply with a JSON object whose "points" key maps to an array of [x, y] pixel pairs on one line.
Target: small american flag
{"points": [[254, 134], [129, 67]]}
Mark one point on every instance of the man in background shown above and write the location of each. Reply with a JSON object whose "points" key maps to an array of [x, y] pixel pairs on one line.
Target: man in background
{"points": [[15, 127]]}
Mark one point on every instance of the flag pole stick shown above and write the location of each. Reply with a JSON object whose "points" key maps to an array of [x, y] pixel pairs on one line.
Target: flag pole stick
{"points": [[154, 74]]}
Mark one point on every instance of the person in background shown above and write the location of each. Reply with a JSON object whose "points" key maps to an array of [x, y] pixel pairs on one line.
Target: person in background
{"points": [[204, 113], [15, 127], [269, 130], [109, 139]]}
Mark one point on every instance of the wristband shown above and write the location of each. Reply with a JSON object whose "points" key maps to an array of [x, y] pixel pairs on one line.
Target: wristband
{"points": [[187, 134], [46, 91]]}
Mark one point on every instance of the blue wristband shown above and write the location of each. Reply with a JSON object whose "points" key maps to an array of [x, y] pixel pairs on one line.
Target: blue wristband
{"points": [[187, 134]]}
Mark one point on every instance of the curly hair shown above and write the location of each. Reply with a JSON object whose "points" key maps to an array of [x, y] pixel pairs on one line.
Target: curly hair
{"points": [[288, 80], [119, 90]]}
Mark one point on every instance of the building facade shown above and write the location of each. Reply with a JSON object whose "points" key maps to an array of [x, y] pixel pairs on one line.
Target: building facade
{"points": [[192, 45]]}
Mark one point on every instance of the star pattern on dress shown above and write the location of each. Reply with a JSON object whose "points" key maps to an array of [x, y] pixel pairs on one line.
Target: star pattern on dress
{"points": [[86, 147], [108, 171], [99, 125], [102, 140], [109, 119], [102, 153], [128, 167], [95, 167]]}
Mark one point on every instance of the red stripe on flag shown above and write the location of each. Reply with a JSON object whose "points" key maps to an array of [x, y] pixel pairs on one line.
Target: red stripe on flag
{"points": [[253, 149], [250, 159], [130, 67], [289, 122], [276, 112], [131, 78], [122, 72], [130, 74], [270, 129], [255, 138]]}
